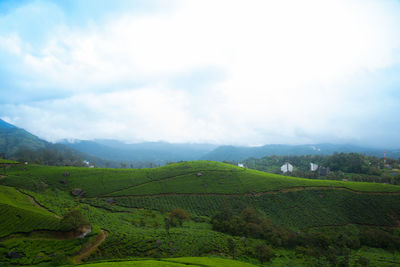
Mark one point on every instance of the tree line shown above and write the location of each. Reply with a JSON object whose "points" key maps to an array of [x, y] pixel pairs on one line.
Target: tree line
{"points": [[350, 166]]}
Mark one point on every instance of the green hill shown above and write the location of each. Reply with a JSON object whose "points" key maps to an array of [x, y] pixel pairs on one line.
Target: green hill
{"points": [[196, 177], [205, 187], [302, 221]]}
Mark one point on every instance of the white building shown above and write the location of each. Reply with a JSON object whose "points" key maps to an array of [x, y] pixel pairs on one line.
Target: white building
{"points": [[287, 167], [313, 167], [241, 165]]}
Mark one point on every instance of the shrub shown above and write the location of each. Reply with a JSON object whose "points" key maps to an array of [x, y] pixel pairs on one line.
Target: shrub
{"points": [[73, 220], [178, 216]]}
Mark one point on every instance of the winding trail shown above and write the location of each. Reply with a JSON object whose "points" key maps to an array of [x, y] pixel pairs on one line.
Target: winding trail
{"points": [[90, 247], [85, 251]]}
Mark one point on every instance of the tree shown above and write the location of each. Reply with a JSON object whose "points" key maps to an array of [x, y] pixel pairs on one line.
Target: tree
{"points": [[73, 220], [263, 252], [178, 216], [167, 223], [232, 247], [362, 261]]}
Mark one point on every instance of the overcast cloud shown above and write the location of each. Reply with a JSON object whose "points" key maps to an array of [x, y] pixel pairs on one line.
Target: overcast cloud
{"points": [[227, 72]]}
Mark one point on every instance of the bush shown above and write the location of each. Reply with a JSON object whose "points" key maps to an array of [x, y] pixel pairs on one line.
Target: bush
{"points": [[263, 252], [178, 216], [73, 220]]}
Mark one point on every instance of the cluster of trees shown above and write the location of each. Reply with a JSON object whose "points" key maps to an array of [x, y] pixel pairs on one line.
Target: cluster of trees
{"points": [[251, 223], [55, 155], [176, 218], [73, 220], [331, 244], [48, 156], [351, 166]]}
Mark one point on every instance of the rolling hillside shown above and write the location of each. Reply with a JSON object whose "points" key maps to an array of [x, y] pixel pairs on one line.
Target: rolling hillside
{"points": [[204, 187], [129, 211], [197, 177]]}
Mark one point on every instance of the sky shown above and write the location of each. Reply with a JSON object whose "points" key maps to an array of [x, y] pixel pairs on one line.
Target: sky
{"points": [[212, 71]]}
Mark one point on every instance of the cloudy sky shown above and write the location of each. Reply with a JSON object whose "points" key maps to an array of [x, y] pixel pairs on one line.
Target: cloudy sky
{"points": [[216, 71]]}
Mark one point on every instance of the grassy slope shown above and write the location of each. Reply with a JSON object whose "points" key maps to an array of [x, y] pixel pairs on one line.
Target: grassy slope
{"points": [[18, 214], [177, 178]]}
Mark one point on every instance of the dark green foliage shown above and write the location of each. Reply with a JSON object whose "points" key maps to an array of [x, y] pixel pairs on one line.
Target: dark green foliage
{"points": [[252, 223], [263, 253], [232, 247], [167, 223], [351, 166], [380, 238], [73, 220], [362, 261], [177, 217]]}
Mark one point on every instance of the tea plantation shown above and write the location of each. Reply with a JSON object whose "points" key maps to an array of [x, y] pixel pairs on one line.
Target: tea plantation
{"points": [[18, 214], [273, 220]]}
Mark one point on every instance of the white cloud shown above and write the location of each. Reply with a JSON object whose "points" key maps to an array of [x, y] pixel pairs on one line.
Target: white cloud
{"points": [[291, 72]]}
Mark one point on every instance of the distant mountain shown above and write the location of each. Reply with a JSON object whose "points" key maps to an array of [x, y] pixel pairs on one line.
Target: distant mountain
{"points": [[13, 139], [19, 144], [156, 152], [5, 125], [238, 153]]}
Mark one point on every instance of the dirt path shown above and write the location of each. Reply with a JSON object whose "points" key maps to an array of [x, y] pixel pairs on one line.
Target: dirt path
{"points": [[90, 247], [33, 201]]}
